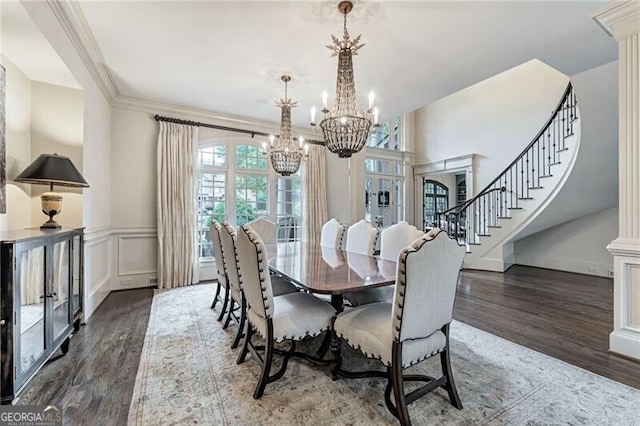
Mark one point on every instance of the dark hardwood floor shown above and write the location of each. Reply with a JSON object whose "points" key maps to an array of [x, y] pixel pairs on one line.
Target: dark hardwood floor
{"points": [[94, 381], [564, 315], [567, 316]]}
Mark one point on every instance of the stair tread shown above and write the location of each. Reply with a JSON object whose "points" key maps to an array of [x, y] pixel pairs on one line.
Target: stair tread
{"points": [[556, 163], [525, 198], [545, 176], [483, 235], [505, 217], [563, 149], [474, 244], [515, 208], [494, 226], [536, 187]]}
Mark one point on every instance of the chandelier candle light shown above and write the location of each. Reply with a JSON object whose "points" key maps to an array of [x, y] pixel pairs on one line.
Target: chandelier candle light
{"points": [[285, 155], [344, 128]]}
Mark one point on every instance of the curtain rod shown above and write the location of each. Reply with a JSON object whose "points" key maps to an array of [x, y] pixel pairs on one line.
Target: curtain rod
{"points": [[230, 129]]}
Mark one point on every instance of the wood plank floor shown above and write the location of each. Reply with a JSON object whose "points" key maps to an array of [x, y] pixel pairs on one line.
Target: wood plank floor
{"points": [[567, 316]]}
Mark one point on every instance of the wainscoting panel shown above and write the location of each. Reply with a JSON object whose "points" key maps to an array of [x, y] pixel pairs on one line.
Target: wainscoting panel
{"points": [[137, 253]]}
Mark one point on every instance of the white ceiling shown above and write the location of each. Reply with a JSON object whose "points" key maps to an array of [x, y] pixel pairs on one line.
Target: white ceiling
{"points": [[227, 57]]}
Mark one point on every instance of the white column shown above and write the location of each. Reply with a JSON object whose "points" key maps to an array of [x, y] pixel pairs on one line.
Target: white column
{"points": [[622, 21]]}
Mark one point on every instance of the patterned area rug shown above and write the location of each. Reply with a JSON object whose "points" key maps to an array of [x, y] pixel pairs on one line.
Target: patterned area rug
{"points": [[188, 375]]}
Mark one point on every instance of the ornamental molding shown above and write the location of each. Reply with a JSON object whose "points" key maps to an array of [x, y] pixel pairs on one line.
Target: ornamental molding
{"points": [[619, 19]]}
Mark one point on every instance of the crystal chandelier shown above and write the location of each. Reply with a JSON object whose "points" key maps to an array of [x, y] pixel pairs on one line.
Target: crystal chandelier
{"points": [[344, 128], [285, 155]]}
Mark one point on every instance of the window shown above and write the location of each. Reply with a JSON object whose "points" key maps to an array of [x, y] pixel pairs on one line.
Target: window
{"points": [[387, 135], [236, 183], [384, 187], [289, 207], [436, 200]]}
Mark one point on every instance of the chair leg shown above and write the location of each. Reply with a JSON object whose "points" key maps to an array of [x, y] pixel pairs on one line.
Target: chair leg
{"points": [[215, 298], [243, 318], [225, 302], [397, 382], [266, 366], [229, 312], [242, 356], [448, 374]]}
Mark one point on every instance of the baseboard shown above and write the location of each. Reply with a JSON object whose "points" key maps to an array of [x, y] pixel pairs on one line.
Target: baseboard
{"points": [[96, 297], [625, 343], [485, 264]]}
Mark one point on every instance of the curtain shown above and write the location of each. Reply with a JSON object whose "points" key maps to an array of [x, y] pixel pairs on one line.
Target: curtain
{"points": [[315, 193], [177, 241]]}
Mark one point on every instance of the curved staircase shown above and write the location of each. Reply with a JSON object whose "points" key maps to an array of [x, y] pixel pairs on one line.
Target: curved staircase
{"points": [[488, 222]]}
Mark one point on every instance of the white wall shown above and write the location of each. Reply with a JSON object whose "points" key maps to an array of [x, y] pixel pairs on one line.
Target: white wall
{"points": [[495, 119], [575, 246], [17, 145], [57, 127]]}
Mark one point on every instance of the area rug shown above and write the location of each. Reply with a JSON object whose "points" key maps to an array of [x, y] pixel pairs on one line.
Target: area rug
{"points": [[188, 375]]}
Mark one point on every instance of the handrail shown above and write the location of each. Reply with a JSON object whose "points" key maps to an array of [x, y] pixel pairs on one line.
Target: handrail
{"points": [[475, 216]]}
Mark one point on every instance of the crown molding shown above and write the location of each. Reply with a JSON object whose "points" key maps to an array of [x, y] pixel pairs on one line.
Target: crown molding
{"points": [[75, 25], [194, 114], [619, 19]]}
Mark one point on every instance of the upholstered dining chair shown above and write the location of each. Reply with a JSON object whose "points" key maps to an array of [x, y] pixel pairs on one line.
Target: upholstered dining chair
{"points": [[280, 285], [361, 238], [266, 229], [392, 240], [415, 326], [221, 272], [332, 234], [292, 316]]}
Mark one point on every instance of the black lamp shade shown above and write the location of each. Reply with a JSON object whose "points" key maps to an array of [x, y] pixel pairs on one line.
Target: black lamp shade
{"points": [[54, 169]]}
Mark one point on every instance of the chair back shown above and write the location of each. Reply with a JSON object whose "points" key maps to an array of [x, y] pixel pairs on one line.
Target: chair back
{"points": [[426, 282], [332, 234], [214, 232], [361, 238], [227, 238], [254, 272], [266, 229], [395, 238]]}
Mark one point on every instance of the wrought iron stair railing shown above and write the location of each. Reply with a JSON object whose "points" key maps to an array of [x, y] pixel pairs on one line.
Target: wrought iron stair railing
{"points": [[476, 216]]}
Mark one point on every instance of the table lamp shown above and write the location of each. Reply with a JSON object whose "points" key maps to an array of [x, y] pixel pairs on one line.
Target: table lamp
{"points": [[52, 170]]}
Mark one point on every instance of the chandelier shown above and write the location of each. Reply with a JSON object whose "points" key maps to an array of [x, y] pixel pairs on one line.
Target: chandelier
{"points": [[344, 128], [285, 155]]}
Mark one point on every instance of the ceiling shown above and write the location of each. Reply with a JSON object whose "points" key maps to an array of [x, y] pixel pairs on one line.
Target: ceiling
{"points": [[228, 57]]}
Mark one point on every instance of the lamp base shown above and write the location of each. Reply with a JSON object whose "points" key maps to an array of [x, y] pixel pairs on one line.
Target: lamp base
{"points": [[51, 206]]}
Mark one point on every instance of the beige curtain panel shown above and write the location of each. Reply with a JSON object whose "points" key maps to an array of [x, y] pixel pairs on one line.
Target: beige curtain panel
{"points": [[177, 260], [315, 193]]}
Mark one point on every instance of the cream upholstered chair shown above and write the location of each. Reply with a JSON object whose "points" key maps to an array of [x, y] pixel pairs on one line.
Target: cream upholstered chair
{"points": [[361, 238], [415, 326], [214, 232], [280, 286], [292, 316], [332, 234], [266, 229], [395, 238]]}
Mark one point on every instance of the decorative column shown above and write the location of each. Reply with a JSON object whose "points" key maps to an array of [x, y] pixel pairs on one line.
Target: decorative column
{"points": [[622, 21]]}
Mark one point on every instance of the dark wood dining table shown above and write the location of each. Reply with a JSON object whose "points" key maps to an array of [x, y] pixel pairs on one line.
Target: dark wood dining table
{"points": [[325, 270]]}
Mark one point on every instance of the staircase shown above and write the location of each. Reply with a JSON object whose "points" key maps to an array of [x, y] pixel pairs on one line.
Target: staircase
{"points": [[487, 223]]}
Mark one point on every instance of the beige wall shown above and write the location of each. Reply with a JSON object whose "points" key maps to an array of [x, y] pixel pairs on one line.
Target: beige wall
{"points": [[57, 127], [18, 146]]}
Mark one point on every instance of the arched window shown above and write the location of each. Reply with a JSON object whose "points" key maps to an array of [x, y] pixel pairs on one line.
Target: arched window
{"points": [[436, 200]]}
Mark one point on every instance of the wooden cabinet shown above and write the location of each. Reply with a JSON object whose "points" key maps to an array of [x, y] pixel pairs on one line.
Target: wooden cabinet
{"points": [[41, 278]]}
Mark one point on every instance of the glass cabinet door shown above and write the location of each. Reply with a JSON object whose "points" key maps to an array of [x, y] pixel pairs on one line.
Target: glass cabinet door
{"points": [[60, 288], [30, 307]]}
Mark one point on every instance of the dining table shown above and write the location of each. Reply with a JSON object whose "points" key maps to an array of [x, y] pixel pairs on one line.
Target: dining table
{"points": [[329, 271]]}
